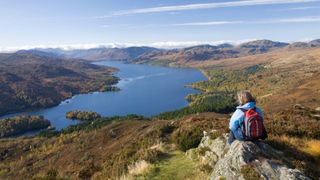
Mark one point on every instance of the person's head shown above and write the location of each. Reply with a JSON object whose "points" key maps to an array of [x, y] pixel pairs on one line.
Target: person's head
{"points": [[245, 97]]}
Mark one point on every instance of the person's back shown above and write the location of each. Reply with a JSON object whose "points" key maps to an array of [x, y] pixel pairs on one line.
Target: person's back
{"points": [[241, 121]]}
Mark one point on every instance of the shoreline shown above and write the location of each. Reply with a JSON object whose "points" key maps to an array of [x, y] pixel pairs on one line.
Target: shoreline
{"points": [[189, 85], [28, 110]]}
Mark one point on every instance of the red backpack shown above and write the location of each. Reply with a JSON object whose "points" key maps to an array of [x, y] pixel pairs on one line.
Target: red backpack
{"points": [[252, 125]]}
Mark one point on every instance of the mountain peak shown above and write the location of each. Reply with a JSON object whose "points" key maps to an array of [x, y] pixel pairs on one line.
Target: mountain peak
{"points": [[315, 43], [263, 44]]}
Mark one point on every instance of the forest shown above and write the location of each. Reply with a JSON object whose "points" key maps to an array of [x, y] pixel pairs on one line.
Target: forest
{"points": [[21, 124], [45, 81]]}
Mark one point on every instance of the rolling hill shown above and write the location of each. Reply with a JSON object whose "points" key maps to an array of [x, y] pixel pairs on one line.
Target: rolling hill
{"points": [[29, 81], [207, 53], [175, 57], [97, 54], [283, 77]]}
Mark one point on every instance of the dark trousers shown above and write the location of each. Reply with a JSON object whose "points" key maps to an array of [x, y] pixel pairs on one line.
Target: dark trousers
{"points": [[231, 137]]}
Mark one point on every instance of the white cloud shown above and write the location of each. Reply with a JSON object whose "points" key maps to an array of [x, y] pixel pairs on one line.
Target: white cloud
{"points": [[183, 44], [203, 6], [163, 45], [63, 47], [294, 20]]}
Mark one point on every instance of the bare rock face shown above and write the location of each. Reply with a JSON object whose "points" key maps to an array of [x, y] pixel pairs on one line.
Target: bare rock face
{"points": [[242, 160]]}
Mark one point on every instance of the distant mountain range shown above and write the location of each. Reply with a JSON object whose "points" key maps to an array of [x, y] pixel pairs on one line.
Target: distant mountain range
{"points": [[94, 54], [165, 56]]}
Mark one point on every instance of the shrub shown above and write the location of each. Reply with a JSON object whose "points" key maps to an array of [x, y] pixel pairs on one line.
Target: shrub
{"points": [[222, 102], [82, 115], [249, 173], [187, 139], [215, 134], [166, 129], [48, 133], [98, 123]]}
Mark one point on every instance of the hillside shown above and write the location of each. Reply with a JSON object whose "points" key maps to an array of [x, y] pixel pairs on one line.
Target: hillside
{"points": [[32, 81], [172, 144], [176, 57], [21, 124], [197, 55], [279, 79], [135, 147]]}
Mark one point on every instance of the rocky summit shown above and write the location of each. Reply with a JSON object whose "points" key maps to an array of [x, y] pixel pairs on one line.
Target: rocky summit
{"points": [[241, 159]]}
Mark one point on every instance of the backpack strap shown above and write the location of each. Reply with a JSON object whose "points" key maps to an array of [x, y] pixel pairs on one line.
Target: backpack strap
{"points": [[245, 110]]}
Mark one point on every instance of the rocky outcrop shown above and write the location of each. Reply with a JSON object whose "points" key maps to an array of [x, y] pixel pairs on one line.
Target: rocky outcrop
{"points": [[241, 160]]}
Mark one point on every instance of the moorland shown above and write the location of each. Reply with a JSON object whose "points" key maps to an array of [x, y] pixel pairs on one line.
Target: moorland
{"points": [[283, 77]]}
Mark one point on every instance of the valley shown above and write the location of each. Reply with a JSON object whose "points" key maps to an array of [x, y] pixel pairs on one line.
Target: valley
{"points": [[160, 90], [285, 81]]}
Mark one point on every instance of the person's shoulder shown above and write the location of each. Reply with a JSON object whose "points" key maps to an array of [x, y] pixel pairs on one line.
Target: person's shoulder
{"points": [[258, 109], [238, 112]]}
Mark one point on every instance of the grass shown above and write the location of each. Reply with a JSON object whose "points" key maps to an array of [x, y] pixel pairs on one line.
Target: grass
{"points": [[309, 146], [249, 173], [312, 147], [175, 166], [299, 153]]}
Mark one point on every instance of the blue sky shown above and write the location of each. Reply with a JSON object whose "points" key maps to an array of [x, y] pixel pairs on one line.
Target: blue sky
{"points": [[154, 22]]}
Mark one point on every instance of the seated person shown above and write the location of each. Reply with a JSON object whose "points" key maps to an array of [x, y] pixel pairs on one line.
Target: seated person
{"points": [[246, 122]]}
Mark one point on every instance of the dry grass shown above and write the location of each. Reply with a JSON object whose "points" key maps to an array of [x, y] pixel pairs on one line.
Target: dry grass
{"points": [[139, 167], [312, 147], [289, 78], [95, 153], [309, 146]]}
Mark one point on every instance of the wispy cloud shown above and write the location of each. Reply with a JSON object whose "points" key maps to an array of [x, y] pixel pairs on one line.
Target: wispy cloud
{"points": [[303, 8], [197, 6], [264, 21], [226, 22], [292, 20], [209, 23]]}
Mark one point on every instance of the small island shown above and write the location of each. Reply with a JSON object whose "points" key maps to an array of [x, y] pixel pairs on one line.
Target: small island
{"points": [[109, 88], [21, 124], [83, 115]]}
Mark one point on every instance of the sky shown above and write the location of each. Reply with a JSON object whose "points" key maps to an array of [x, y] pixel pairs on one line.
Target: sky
{"points": [[160, 23]]}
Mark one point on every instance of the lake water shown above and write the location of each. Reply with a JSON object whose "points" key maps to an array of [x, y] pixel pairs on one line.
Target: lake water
{"points": [[145, 90]]}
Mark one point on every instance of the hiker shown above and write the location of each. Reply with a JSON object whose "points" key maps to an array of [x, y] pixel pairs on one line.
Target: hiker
{"points": [[246, 122]]}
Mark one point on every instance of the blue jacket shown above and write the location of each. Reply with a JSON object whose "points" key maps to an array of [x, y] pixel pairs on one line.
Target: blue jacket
{"points": [[238, 117]]}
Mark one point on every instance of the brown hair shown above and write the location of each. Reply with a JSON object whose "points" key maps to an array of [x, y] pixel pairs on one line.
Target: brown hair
{"points": [[245, 97]]}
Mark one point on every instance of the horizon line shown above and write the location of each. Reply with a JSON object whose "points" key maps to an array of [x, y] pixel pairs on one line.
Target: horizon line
{"points": [[159, 45]]}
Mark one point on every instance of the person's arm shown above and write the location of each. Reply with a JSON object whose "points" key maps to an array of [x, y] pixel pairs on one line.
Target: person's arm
{"points": [[235, 120]]}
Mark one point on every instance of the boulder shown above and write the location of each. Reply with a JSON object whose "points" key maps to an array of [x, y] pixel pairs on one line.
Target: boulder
{"points": [[242, 159]]}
